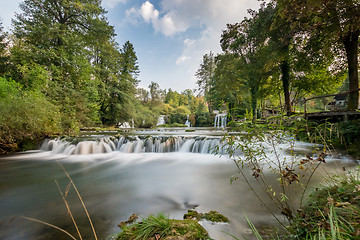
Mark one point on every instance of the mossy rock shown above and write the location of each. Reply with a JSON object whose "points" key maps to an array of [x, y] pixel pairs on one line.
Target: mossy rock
{"points": [[161, 227], [192, 214], [214, 216]]}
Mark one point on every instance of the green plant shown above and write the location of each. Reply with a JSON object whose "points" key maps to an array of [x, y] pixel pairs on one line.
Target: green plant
{"points": [[332, 210], [257, 154], [161, 227]]}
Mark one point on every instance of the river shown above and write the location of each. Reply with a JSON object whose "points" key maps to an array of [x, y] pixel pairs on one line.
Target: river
{"points": [[168, 172]]}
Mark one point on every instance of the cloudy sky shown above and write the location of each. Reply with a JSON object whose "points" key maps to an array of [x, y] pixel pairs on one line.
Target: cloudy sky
{"points": [[170, 36]]}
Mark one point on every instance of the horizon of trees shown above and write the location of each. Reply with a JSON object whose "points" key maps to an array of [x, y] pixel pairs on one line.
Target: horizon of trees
{"points": [[61, 68]]}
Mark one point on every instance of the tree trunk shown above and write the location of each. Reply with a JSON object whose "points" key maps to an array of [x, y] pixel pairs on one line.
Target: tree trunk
{"points": [[253, 92], [351, 42], [285, 78]]}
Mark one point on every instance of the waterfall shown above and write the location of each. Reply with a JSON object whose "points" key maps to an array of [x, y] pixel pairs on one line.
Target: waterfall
{"points": [[187, 123], [161, 120], [163, 144], [220, 121]]}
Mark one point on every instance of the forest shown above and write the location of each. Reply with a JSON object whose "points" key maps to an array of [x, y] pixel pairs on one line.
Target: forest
{"points": [[61, 68]]}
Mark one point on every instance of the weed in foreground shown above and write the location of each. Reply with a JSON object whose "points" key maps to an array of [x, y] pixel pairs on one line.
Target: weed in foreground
{"points": [[64, 195]]}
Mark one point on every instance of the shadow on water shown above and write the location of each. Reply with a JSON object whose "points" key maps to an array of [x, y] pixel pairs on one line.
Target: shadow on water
{"points": [[114, 185]]}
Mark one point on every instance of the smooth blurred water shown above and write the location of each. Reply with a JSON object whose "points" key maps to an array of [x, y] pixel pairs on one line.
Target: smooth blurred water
{"points": [[116, 184]]}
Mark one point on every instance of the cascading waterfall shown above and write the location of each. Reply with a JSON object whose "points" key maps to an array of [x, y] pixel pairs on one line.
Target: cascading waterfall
{"points": [[187, 123], [220, 121], [203, 145]]}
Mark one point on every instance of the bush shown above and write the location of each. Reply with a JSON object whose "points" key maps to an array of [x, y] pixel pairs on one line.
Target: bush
{"points": [[24, 115], [332, 210], [204, 120], [182, 110], [177, 118]]}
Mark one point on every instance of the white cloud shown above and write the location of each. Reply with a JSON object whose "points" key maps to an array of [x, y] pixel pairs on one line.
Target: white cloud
{"points": [[112, 3], [148, 12], [209, 15], [189, 42], [180, 17], [163, 23], [182, 59]]}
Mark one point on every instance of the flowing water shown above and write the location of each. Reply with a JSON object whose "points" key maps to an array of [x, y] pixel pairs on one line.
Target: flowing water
{"points": [[143, 173]]}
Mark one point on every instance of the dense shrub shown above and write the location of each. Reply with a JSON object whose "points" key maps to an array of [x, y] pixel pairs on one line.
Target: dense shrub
{"points": [[176, 118], [24, 115], [204, 120]]}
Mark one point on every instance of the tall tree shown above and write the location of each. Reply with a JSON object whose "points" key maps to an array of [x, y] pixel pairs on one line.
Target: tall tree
{"points": [[248, 42], [331, 25], [62, 36], [205, 73], [281, 36], [3, 49], [154, 92]]}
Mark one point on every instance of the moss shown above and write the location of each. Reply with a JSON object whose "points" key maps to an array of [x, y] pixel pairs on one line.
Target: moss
{"points": [[192, 214], [161, 227], [214, 216]]}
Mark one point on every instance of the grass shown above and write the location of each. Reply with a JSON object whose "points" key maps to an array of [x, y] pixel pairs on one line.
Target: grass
{"points": [[332, 211], [161, 227], [64, 195]]}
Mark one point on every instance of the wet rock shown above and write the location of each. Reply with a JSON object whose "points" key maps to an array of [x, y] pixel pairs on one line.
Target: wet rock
{"points": [[131, 220]]}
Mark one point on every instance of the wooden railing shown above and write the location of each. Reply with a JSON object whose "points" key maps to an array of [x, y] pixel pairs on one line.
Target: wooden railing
{"points": [[325, 96]]}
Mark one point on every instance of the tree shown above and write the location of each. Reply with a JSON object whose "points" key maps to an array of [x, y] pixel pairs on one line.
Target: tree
{"points": [[143, 95], [60, 37], [330, 25], [281, 38], [248, 42], [205, 74], [154, 92], [3, 48]]}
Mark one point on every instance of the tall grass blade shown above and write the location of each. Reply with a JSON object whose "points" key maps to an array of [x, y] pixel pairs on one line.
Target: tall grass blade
{"points": [[68, 208], [253, 228], [50, 225], [80, 198]]}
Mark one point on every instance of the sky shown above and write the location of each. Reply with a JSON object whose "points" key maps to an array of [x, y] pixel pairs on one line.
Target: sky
{"points": [[170, 37]]}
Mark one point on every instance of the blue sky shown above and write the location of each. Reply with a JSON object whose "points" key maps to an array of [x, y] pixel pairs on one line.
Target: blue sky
{"points": [[169, 36]]}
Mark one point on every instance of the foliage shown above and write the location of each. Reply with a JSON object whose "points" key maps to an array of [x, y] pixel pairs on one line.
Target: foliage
{"points": [[332, 210], [24, 115], [177, 107], [67, 50], [144, 116], [205, 74], [341, 135], [246, 41], [258, 156], [212, 216], [3, 55], [204, 120], [331, 27], [161, 227], [177, 118]]}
